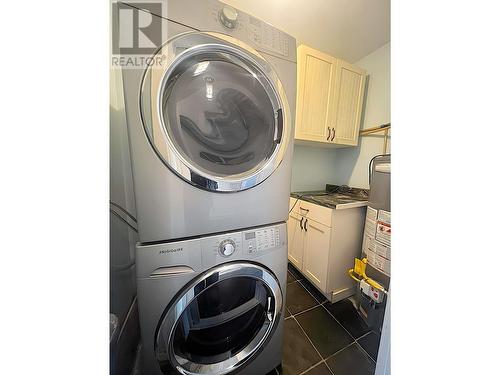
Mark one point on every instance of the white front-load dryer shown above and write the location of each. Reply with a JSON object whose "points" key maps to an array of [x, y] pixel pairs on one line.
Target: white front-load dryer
{"points": [[213, 305], [211, 124]]}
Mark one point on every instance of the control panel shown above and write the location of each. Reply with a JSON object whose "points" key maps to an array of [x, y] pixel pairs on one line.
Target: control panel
{"points": [[259, 240], [198, 254], [223, 247], [250, 29], [247, 244]]}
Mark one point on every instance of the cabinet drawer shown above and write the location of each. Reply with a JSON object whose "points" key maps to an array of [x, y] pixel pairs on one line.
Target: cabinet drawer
{"points": [[322, 215]]}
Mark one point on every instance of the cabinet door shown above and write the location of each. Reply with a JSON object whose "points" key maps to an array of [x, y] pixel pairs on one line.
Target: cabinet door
{"points": [[316, 73], [296, 238], [317, 250], [347, 106]]}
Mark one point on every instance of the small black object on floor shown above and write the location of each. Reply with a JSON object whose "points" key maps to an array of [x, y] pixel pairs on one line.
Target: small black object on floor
{"points": [[321, 338]]}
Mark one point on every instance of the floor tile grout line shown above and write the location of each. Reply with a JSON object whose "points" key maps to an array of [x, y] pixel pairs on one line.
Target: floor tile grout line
{"points": [[308, 338], [316, 365], [311, 293], [333, 316], [355, 339], [321, 356], [341, 349], [328, 367], [363, 335], [363, 349], [304, 311], [361, 346]]}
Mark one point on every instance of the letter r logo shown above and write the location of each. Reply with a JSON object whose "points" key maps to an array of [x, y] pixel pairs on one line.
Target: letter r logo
{"points": [[136, 28]]}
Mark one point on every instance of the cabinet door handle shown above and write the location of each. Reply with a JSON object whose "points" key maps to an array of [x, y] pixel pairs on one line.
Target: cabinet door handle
{"points": [[301, 219], [329, 133], [333, 135], [305, 225]]}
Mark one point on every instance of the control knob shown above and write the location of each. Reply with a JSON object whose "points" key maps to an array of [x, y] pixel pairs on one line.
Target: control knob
{"points": [[227, 247], [228, 16]]}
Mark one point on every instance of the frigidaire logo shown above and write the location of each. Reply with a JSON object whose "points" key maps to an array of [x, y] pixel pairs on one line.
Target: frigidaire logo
{"points": [[167, 251]]}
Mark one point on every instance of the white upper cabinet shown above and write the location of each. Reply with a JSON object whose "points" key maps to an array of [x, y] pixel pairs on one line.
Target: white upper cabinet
{"points": [[316, 74], [347, 103], [329, 99]]}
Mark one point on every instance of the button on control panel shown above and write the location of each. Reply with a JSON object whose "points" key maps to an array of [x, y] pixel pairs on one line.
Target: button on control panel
{"points": [[261, 240], [228, 16], [227, 248]]}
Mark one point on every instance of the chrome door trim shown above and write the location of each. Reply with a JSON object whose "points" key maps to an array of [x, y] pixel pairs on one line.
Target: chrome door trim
{"points": [[153, 121], [199, 285]]}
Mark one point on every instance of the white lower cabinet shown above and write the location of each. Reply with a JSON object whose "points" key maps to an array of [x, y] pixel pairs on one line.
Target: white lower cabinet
{"points": [[296, 237], [316, 253], [324, 252]]}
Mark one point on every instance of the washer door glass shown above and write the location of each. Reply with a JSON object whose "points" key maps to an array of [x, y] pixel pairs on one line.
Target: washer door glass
{"points": [[225, 323], [215, 112]]}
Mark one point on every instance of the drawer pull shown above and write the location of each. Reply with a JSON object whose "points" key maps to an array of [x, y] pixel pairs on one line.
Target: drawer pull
{"points": [[169, 271], [304, 209]]}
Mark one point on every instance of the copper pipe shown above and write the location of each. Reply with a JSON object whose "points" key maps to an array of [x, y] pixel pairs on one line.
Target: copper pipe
{"points": [[386, 133]]}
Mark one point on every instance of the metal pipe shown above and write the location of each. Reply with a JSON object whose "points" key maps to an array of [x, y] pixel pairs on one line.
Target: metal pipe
{"points": [[385, 140], [375, 129]]}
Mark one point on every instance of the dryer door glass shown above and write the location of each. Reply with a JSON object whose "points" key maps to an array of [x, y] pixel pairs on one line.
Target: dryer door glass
{"points": [[219, 115], [216, 112], [223, 325]]}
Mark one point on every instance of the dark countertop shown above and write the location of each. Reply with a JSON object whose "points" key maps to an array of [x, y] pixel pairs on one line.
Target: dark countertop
{"points": [[335, 197]]}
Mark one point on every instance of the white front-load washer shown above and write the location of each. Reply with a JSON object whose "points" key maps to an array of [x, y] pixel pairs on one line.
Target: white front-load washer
{"points": [[211, 126], [213, 305]]}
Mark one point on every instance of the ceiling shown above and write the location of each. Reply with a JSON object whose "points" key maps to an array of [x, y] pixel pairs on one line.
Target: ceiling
{"points": [[349, 29]]}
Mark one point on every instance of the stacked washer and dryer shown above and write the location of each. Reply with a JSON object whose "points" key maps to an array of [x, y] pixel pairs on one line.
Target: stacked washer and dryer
{"points": [[211, 140]]}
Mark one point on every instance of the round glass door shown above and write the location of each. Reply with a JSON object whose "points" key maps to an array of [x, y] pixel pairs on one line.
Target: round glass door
{"points": [[216, 112], [220, 321]]}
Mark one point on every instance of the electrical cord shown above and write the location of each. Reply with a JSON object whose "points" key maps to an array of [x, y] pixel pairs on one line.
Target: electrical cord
{"points": [[123, 210], [123, 220], [298, 198]]}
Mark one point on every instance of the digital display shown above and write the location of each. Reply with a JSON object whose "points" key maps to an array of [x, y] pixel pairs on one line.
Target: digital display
{"points": [[249, 236]]}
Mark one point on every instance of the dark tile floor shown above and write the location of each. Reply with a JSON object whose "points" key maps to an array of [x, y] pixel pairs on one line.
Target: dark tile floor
{"points": [[321, 338]]}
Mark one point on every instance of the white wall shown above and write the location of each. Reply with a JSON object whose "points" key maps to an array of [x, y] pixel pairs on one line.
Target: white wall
{"points": [[351, 164], [313, 168]]}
